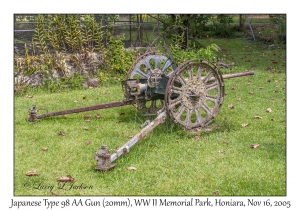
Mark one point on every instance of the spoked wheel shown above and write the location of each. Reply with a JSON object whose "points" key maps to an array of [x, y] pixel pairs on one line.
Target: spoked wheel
{"points": [[194, 93], [146, 66]]}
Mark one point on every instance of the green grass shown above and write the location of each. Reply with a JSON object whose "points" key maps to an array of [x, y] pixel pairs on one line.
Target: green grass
{"points": [[170, 160]]}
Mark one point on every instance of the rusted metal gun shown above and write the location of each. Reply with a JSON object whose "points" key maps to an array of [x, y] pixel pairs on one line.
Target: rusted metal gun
{"points": [[191, 94]]}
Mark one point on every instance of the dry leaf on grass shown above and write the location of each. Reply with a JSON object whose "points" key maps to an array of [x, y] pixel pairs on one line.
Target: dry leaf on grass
{"points": [[217, 192], [245, 124], [198, 129], [44, 148], [98, 116], [27, 96], [86, 115], [273, 119], [131, 168], [239, 99], [254, 145], [54, 193], [269, 110], [251, 93], [226, 142], [67, 178], [61, 133], [230, 106], [89, 142], [85, 128], [32, 173], [257, 117]]}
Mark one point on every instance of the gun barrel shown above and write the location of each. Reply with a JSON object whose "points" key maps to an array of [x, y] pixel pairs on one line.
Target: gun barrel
{"points": [[233, 75]]}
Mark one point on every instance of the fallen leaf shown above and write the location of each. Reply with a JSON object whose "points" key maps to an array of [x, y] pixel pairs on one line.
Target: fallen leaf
{"points": [[61, 133], [245, 124], [230, 106], [261, 87], [86, 115], [45, 148], [67, 178], [98, 116], [132, 168], [251, 93], [257, 117], [226, 142], [221, 151], [273, 119], [269, 110], [89, 142], [254, 145], [239, 99], [197, 129], [217, 192], [76, 101], [27, 96], [232, 88], [85, 128], [32, 173], [54, 193]]}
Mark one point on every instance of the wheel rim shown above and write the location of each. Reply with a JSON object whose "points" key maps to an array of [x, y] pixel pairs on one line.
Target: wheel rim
{"points": [[194, 93], [143, 68]]}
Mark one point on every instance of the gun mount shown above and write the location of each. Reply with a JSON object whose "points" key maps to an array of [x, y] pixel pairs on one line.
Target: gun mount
{"points": [[191, 94]]}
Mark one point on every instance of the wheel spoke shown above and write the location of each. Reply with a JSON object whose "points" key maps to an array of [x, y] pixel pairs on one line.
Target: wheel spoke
{"points": [[157, 61], [212, 86], [188, 117], [176, 90], [175, 102], [179, 113], [199, 73], [207, 109], [166, 65], [190, 72], [212, 98], [198, 116], [181, 79], [139, 72], [207, 77]]}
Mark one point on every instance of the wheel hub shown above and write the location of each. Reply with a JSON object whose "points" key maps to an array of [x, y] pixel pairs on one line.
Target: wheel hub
{"points": [[193, 94]]}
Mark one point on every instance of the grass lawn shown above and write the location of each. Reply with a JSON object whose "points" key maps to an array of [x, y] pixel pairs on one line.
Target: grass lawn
{"points": [[170, 160]]}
